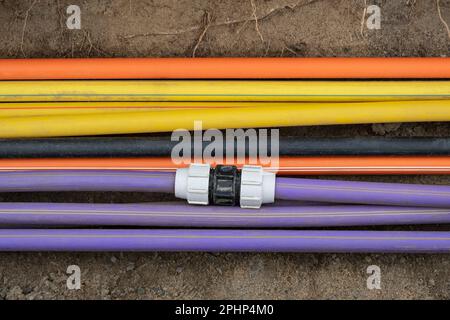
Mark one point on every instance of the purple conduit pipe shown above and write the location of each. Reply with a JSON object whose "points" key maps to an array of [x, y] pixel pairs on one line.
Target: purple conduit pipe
{"points": [[330, 191], [396, 194], [86, 180], [183, 215], [223, 240]]}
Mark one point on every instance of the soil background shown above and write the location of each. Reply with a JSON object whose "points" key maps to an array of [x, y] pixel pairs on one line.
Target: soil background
{"points": [[258, 28]]}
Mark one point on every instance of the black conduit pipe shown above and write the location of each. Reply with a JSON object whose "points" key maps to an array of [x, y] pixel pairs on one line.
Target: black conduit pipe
{"points": [[162, 147]]}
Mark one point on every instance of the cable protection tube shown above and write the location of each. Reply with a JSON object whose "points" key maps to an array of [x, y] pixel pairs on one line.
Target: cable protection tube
{"points": [[62, 108], [77, 180], [323, 165], [221, 68], [363, 192], [331, 191], [22, 109], [220, 90], [221, 118], [163, 146], [223, 240], [183, 215]]}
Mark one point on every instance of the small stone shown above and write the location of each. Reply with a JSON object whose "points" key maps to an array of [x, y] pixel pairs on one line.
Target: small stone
{"points": [[15, 293], [113, 259], [383, 128], [158, 291], [179, 270], [31, 296], [104, 292], [140, 291], [130, 267], [431, 282]]}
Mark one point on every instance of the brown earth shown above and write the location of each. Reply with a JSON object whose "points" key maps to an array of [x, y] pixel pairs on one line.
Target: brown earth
{"points": [[174, 28]]}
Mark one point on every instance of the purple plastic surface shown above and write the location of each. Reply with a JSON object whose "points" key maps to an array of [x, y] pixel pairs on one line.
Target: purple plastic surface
{"points": [[87, 180], [363, 192], [184, 215], [315, 190], [223, 240]]}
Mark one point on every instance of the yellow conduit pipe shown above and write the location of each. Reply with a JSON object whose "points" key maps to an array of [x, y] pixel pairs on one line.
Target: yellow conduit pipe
{"points": [[176, 90], [26, 109], [70, 108], [20, 109], [296, 115]]}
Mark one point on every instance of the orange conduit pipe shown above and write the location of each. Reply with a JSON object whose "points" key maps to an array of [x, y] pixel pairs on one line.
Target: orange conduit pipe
{"points": [[224, 68], [345, 165]]}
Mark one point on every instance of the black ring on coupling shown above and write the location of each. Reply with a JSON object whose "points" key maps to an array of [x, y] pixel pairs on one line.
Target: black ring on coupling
{"points": [[224, 185]]}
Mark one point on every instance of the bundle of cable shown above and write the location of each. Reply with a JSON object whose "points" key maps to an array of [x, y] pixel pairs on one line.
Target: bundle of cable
{"points": [[47, 106], [310, 203], [84, 105]]}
